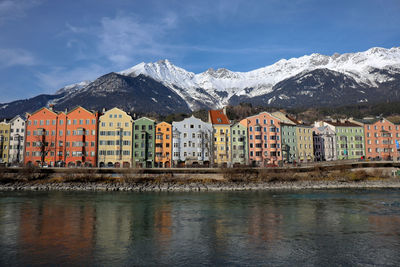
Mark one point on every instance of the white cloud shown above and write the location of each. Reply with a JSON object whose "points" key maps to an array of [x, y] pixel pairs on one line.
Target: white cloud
{"points": [[13, 9], [123, 38], [75, 29], [59, 77], [16, 57]]}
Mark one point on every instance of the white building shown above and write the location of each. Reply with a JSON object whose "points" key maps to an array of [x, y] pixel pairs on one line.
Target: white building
{"points": [[192, 142], [17, 138], [324, 143]]}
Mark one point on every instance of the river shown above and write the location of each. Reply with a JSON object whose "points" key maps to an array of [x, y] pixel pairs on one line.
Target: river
{"points": [[279, 228]]}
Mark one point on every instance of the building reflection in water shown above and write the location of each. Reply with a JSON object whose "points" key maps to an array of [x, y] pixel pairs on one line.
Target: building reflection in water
{"points": [[59, 230], [224, 228], [113, 234]]}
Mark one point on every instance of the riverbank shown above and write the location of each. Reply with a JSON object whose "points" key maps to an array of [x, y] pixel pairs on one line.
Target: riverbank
{"points": [[229, 179], [197, 186]]}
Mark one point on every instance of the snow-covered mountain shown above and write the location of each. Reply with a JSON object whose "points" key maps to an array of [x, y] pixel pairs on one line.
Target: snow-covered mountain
{"points": [[311, 80], [222, 84]]}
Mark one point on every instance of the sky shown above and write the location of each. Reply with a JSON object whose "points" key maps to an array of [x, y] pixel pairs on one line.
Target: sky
{"points": [[48, 44]]}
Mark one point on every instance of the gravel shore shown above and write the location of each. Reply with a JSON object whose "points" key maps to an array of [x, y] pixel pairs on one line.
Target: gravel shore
{"points": [[198, 186]]}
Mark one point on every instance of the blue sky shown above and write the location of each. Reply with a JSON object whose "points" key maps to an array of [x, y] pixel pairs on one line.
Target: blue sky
{"points": [[47, 44]]}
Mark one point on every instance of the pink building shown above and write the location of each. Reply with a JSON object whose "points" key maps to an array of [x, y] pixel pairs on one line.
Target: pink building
{"points": [[264, 139], [382, 138]]}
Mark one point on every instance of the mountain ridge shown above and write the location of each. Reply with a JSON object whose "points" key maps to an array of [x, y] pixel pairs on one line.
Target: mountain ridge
{"points": [[376, 71]]}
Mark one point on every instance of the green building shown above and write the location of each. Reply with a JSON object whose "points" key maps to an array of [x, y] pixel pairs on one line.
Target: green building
{"points": [[143, 143], [349, 139], [239, 146], [289, 142]]}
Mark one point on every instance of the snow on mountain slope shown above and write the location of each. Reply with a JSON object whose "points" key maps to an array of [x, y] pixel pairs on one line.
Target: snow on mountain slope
{"points": [[67, 91], [72, 87], [218, 86]]}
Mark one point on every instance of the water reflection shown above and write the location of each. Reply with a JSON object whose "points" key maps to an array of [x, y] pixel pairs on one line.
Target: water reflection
{"points": [[244, 228]]}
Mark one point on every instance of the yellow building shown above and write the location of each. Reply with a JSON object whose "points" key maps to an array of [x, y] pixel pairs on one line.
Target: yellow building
{"points": [[4, 141], [305, 148], [115, 139], [222, 136]]}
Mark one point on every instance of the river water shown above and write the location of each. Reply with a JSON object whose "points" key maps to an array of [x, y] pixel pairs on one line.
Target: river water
{"points": [[281, 228]]}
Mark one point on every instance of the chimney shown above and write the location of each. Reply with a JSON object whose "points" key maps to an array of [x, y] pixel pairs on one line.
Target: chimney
{"points": [[51, 107], [104, 110], [224, 110]]}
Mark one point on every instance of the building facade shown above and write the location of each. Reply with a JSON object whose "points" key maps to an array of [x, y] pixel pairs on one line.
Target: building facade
{"points": [[289, 142], [17, 139], [305, 148], [192, 142], [41, 136], [144, 143], [239, 145], [222, 137], [324, 144], [264, 140], [77, 138], [382, 138], [349, 139], [4, 141], [115, 139], [163, 147]]}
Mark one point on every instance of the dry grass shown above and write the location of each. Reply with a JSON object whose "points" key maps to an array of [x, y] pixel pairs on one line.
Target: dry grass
{"points": [[226, 175]]}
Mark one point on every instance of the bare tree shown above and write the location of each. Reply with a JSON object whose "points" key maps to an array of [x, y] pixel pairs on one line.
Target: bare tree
{"points": [[45, 143]]}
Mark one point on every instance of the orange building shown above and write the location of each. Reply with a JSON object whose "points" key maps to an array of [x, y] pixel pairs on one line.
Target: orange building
{"points": [[41, 130], [163, 145], [59, 139], [55, 229], [77, 137], [382, 138], [264, 139]]}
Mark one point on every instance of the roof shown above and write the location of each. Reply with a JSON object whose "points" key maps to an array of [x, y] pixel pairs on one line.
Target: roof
{"points": [[164, 123], [46, 108], [285, 118], [342, 124], [322, 129], [367, 120], [218, 117], [80, 107], [18, 116]]}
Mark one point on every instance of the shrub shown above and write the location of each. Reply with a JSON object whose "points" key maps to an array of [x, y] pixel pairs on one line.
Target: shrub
{"points": [[357, 176]]}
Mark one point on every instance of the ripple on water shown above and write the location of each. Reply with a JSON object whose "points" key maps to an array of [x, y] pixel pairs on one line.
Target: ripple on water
{"points": [[305, 227]]}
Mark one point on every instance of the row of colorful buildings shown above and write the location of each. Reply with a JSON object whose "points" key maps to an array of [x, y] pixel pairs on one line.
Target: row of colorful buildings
{"points": [[113, 138]]}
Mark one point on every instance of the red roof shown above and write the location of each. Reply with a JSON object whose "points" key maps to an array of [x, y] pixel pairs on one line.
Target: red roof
{"points": [[218, 117]]}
